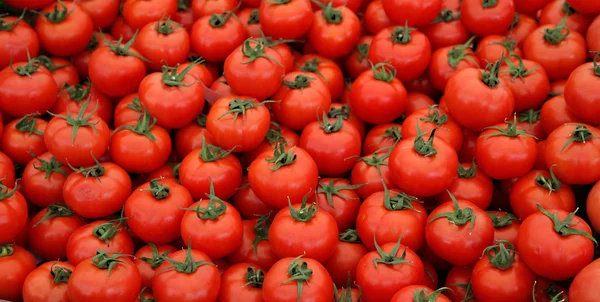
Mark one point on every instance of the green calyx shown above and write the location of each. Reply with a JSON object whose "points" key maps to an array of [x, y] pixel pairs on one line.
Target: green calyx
{"points": [[459, 216], [467, 173], [104, 261], [446, 15], [93, 44], [158, 190], [459, 53], [400, 201], [214, 209], [329, 127], [5, 192], [166, 27], [552, 292], [300, 82], [391, 258], [312, 66], [530, 116], [157, 258], [4, 26], [508, 43], [502, 221], [172, 78], [6, 250], [256, 51], [596, 66], [28, 69], [512, 130], [469, 296], [254, 277], [341, 111], [55, 210], [135, 105], [121, 49], [384, 72], [238, 106], [47, 62], [81, 120], [254, 17], [401, 35], [425, 295], [219, 20], [211, 153], [519, 71], [422, 147], [563, 228], [201, 120], [188, 266], [59, 14], [108, 230], [298, 272], [515, 21], [77, 92], [435, 115], [501, 255], [142, 297], [274, 135], [363, 51], [330, 14], [261, 231], [330, 189], [392, 133], [304, 213], [27, 125], [143, 126], [490, 76], [489, 3], [555, 35], [350, 236], [49, 167], [60, 274], [346, 294], [96, 171], [567, 9], [183, 4], [551, 184], [281, 157], [581, 134]]}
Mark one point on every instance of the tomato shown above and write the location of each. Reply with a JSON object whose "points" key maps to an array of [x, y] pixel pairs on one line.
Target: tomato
{"points": [[43, 180], [487, 18], [375, 18], [293, 278], [13, 210], [117, 69], [214, 37], [72, 97], [29, 85], [406, 49], [63, 72], [255, 246], [207, 166], [250, 19], [459, 283], [502, 265], [64, 28], [506, 226], [110, 277], [286, 19], [546, 290], [349, 116], [128, 109], [22, 136], [221, 224], [414, 14], [338, 198], [420, 292], [190, 137], [449, 60], [593, 203], [521, 27], [19, 41], [122, 30], [554, 11], [149, 258], [325, 69], [48, 282], [191, 273], [50, 230], [7, 171], [371, 173], [81, 60], [246, 202], [346, 255], [242, 282], [571, 150], [496, 47], [465, 90], [334, 31], [558, 50], [302, 230], [446, 30], [586, 279], [431, 278], [555, 113], [530, 122], [471, 184], [459, 231], [384, 106], [283, 176], [139, 13], [392, 267], [163, 43], [154, 210], [581, 93], [19, 262], [429, 119], [529, 6], [593, 43], [540, 161], [542, 233], [302, 98], [381, 137], [102, 13], [109, 236], [356, 62], [201, 8], [416, 101], [251, 62]]}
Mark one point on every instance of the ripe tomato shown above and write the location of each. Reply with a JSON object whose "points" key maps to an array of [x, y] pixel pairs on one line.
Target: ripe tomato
{"points": [[381, 137], [19, 262], [471, 184], [242, 282], [102, 13], [164, 42], [406, 49], [584, 280], [446, 30], [496, 47], [110, 277], [338, 198], [48, 282], [192, 273], [30, 4], [13, 210], [249, 18], [43, 180], [18, 39], [121, 29], [154, 210], [416, 101], [50, 229], [61, 70], [413, 13], [449, 60], [554, 11], [334, 31], [344, 260], [521, 27], [420, 292], [109, 236], [459, 231], [371, 173], [64, 28], [356, 62], [555, 113], [190, 137], [544, 232], [392, 267], [7, 171], [431, 118], [487, 18], [327, 70], [571, 150], [593, 43], [286, 19], [201, 8], [293, 278], [23, 136], [81, 60], [459, 283], [530, 122], [73, 97], [214, 37], [139, 13], [255, 246], [592, 206], [276, 134], [506, 226], [375, 18], [581, 93], [546, 291], [246, 202], [149, 258]]}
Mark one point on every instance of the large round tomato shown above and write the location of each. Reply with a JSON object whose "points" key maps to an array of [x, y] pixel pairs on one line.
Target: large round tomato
{"points": [[48, 282], [214, 37], [163, 43], [149, 258], [291, 279], [343, 262], [18, 40], [109, 236], [190, 137], [18, 263], [585, 280], [471, 184], [446, 30], [484, 18], [23, 136], [506, 226], [242, 282], [289, 19], [246, 202], [64, 28], [50, 229], [43, 179], [413, 13], [447, 61], [255, 246], [328, 70], [582, 93], [555, 113], [13, 211], [528, 83], [139, 13], [338, 198], [334, 31]]}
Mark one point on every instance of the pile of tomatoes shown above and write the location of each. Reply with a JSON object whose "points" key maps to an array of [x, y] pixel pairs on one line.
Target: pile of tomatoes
{"points": [[297, 150]]}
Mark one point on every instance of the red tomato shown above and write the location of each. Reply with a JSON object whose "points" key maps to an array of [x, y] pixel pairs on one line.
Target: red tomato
{"points": [[286, 280], [149, 258], [586, 279], [255, 247], [338, 198], [530, 122], [431, 118], [170, 171], [506, 226], [327, 70], [18, 40], [249, 18], [276, 134], [420, 292], [7, 171], [529, 6], [459, 231], [581, 93], [122, 30], [154, 210], [449, 60], [13, 210], [64, 28], [30, 4], [18, 263], [103, 13], [542, 233], [242, 282], [81, 60], [346, 255], [163, 43], [127, 110], [375, 18], [214, 37], [495, 47], [381, 137], [471, 184], [286, 19], [43, 180], [23, 136], [73, 97], [201, 8], [540, 161], [356, 62], [139, 13], [48, 282], [184, 15], [546, 290], [416, 101], [593, 204], [50, 229], [62, 70], [555, 113], [554, 11], [487, 18], [593, 43], [246, 202], [459, 283], [522, 26], [413, 13], [446, 30], [109, 236], [371, 173], [190, 137], [334, 31]]}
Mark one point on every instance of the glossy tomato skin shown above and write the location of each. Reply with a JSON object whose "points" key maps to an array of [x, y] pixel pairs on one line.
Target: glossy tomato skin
{"points": [[529, 190], [592, 206], [18, 140], [447, 32], [429, 119], [246, 202], [538, 241], [356, 62], [342, 205], [68, 36], [581, 93], [235, 287], [73, 97], [201, 285], [529, 91], [48, 239], [19, 262], [593, 43], [286, 21], [190, 137], [163, 43], [115, 75], [215, 40], [586, 279], [440, 70], [102, 13], [555, 113], [83, 243], [156, 149], [409, 292], [7, 171], [13, 210], [477, 188], [334, 38], [147, 262], [375, 18], [494, 47], [505, 228], [153, 219], [276, 132], [329, 71], [344, 261], [381, 136], [139, 13], [245, 253], [17, 42], [410, 59], [30, 4], [39, 188], [459, 244], [121, 29], [202, 8], [40, 286], [34, 93], [276, 289], [398, 276], [483, 21], [371, 173], [414, 13], [249, 18]]}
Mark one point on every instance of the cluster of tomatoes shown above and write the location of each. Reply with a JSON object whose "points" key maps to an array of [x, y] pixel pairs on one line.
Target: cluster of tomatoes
{"points": [[289, 150]]}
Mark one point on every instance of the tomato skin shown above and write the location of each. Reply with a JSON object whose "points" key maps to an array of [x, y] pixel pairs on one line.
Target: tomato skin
{"points": [[215, 42], [20, 263], [397, 276], [494, 47], [508, 232], [66, 37], [465, 90], [39, 286], [72, 97], [483, 21], [157, 220], [524, 26], [201, 285], [414, 13], [375, 220], [356, 62], [16, 42], [581, 94], [234, 286], [344, 207], [530, 91], [246, 202], [127, 110], [114, 75], [249, 18], [456, 244], [286, 21], [190, 137], [275, 289], [584, 280], [83, 244], [409, 292], [264, 256], [328, 70], [592, 206], [102, 13], [34, 93], [146, 269], [49, 238], [125, 147], [39, 189], [477, 189], [201, 8], [169, 48], [553, 12], [593, 43], [555, 113], [378, 137], [17, 145], [334, 40], [195, 174], [448, 131], [13, 210], [371, 175], [384, 106], [30, 4], [139, 13], [538, 241], [410, 59], [121, 29], [375, 18], [526, 192], [7, 171], [446, 33], [440, 70], [343, 262], [458, 275], [88, 282], [416, 101]]}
